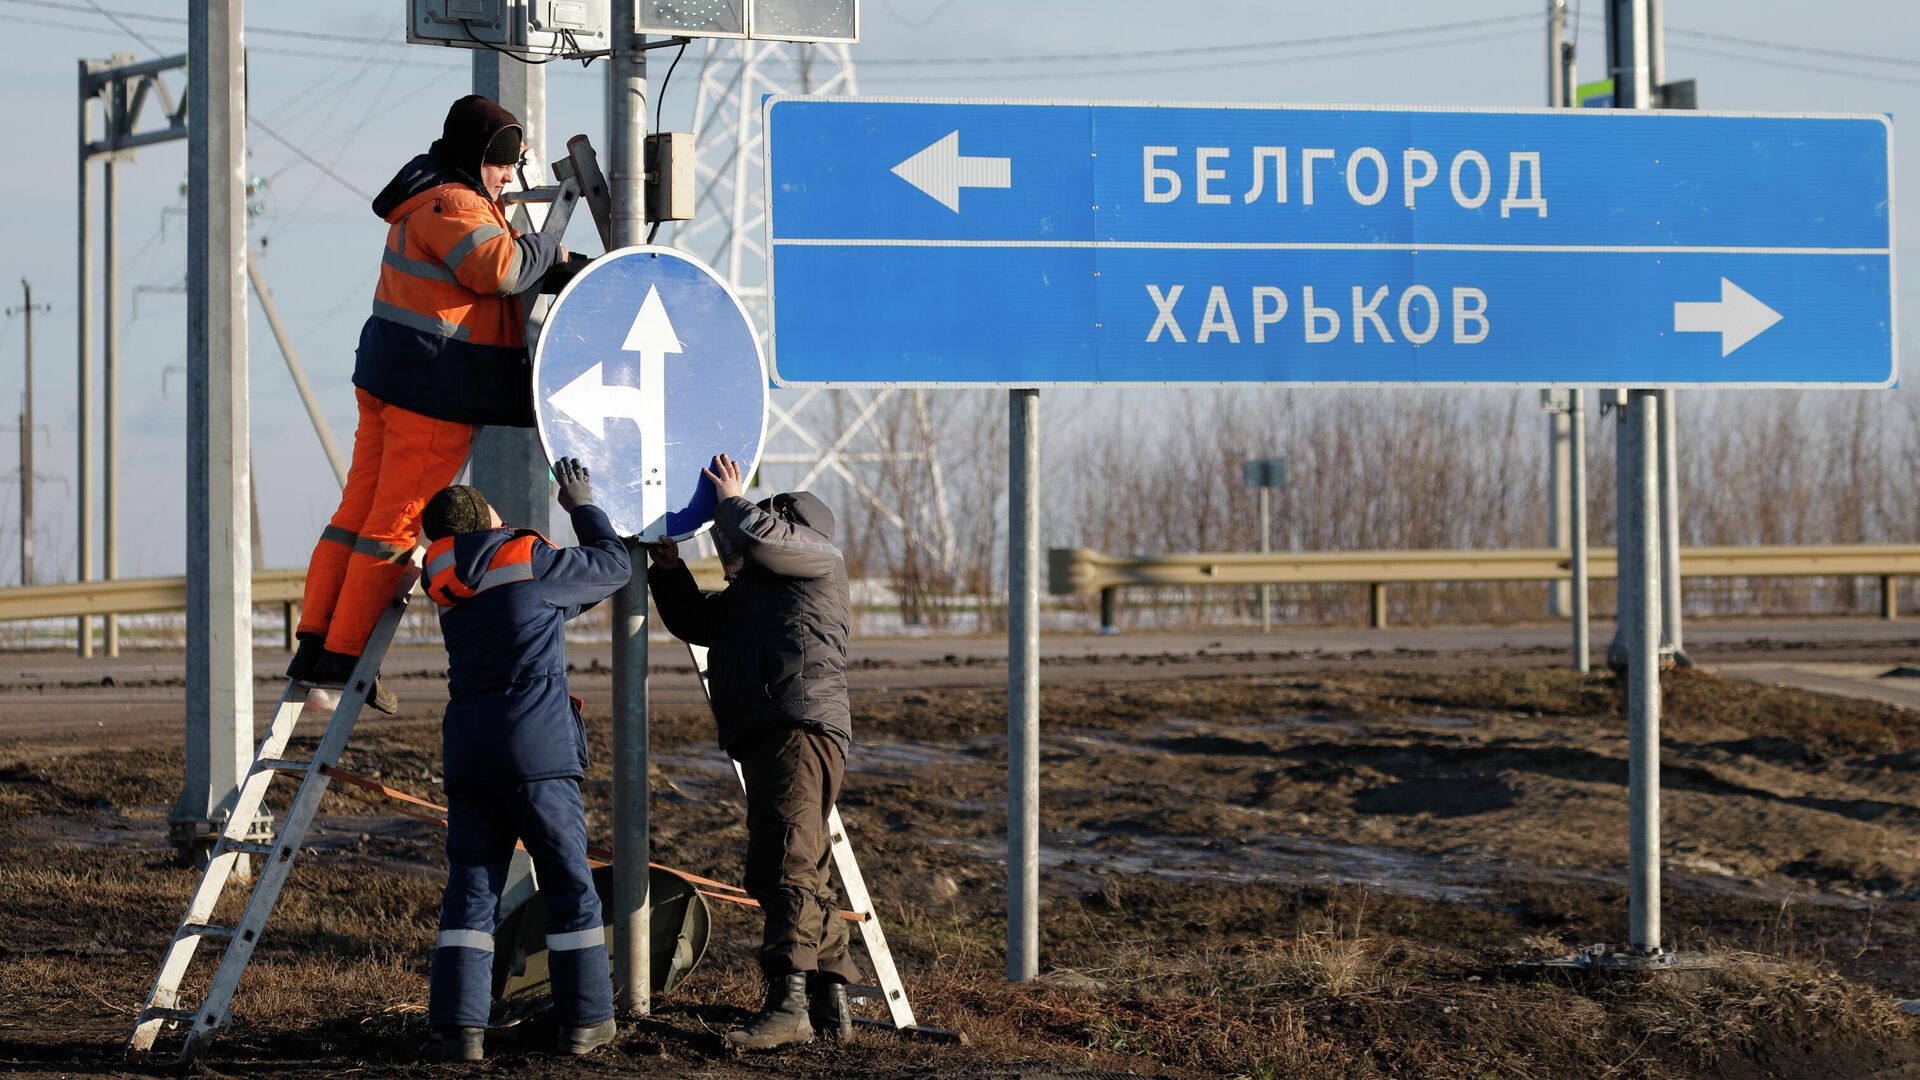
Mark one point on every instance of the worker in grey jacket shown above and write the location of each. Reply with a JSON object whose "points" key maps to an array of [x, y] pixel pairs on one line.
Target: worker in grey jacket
{"points": [[777, 671]]}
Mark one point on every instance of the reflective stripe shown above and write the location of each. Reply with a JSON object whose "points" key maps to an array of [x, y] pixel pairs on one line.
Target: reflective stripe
{"points": [[382, 550], [511, 282], [579, 939], [339, 535], [480, 235], [415, 321], [465, 939], [419, 268], [504, 575], [438, 563]]}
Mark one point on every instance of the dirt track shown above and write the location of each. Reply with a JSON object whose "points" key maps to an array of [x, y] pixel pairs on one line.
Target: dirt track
{"points": [[1262, 866]]}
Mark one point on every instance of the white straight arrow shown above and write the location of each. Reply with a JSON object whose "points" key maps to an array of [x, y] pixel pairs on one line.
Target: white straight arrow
{"points": [[1737, 317], [941, 172], [590, 402]]}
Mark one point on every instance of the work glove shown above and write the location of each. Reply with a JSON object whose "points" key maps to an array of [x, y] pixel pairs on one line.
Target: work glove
{"points": [[575, 489], [560, 273]]}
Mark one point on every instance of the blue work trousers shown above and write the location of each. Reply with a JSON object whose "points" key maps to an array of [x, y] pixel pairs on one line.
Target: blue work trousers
{"points": [[548, 817]]}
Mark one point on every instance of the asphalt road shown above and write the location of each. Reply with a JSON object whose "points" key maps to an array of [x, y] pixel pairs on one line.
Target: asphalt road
{"points": [[55, 700]]}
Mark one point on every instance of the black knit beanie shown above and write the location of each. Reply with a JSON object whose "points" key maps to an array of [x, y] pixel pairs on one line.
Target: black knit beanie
{"points": [[456, 511]]}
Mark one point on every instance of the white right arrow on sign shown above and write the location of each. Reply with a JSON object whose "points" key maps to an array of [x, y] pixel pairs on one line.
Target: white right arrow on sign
{"points": [[1737, 317], [941, 172]]}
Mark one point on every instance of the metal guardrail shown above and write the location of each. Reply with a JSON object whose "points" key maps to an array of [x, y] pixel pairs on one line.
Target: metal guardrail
{"points": [[1083, 571], [134, 596]]}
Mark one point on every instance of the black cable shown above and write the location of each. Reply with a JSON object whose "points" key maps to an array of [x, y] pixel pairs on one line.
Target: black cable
{"points": [[659, 108], [468, 27]]}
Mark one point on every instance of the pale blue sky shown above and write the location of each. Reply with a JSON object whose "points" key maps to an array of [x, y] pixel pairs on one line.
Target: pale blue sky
{"points": [[364, 108]]}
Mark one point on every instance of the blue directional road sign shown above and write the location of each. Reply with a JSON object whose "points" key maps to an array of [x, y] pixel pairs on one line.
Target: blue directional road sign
{"points": [[964, 243], [647, 366]]}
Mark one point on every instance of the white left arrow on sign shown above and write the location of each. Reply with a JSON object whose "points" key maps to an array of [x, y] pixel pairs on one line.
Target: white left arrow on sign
{"points": [[590, 401], [1737, 317], [941, 172]]}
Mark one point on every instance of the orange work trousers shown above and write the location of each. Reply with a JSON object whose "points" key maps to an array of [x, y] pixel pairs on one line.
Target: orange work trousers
{"points": [[400, 459]]}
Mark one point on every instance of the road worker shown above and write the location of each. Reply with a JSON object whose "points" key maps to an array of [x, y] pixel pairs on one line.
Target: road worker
{"points": [[514, 749], [778, 673], [443, 352]]}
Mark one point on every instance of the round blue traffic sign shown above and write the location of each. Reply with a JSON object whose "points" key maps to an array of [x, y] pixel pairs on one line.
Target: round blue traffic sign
{"points": [[647, 366]]}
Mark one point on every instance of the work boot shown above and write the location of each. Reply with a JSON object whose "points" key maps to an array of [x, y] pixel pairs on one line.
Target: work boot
{"points": [[336, 668], [306, 658], [782, 1021], [827, 1008], [585, 1040], [463, 1044]]}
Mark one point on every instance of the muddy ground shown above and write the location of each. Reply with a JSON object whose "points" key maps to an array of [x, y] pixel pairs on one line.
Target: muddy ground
{"points": [[1335, 873]]}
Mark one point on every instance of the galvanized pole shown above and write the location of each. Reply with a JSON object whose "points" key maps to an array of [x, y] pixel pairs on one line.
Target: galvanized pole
{"points": [[1670, 594], [110, 347], [1266, 547], [626, 142], [508, 462], [83, 338], [1643, 677], [219, 563], [1023, 685], [1628, 57], [1577, 435], [280, 337]]}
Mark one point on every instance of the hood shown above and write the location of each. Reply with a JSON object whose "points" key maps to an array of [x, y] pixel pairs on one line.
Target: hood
{"points": [[415, 178], [802, 508], [471, 124], [473, 552]]}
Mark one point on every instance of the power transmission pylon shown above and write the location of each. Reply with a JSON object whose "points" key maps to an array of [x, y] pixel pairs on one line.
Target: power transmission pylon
{"points": [[879, 443]]}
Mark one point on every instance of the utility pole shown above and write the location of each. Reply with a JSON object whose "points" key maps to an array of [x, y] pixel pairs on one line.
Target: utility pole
{"points": [[508, 462], [27, 308], [1559, 418], [1670, 594], [632, 963], [83, 340], [1568, 431], [116, 102], [219, 714]]}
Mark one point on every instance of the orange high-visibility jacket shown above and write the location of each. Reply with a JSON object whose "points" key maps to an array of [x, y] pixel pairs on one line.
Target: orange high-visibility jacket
{"points": [[446, 338]]}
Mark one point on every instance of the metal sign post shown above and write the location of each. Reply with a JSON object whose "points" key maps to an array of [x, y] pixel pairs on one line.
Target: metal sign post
{"points": [[627, 921], [1263, 476], [1023, 685]]}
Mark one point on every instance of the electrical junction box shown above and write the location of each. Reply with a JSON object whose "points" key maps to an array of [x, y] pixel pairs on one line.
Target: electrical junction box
{"points": [[815, 21], [536, 28], [670, 176]]}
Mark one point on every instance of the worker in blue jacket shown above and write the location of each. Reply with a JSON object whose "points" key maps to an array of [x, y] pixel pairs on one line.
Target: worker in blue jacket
{"points": [[515, 752]]}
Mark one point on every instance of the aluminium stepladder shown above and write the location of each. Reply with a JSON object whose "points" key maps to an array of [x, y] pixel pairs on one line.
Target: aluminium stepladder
{"points": [[860, 902], [162, 1013]]}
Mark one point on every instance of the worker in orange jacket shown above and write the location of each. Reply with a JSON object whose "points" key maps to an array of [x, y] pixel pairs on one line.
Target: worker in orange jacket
{"points": [[443, 353]]}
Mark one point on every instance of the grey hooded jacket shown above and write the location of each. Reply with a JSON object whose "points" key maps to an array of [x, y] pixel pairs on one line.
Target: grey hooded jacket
{"points": [[778, 632]]}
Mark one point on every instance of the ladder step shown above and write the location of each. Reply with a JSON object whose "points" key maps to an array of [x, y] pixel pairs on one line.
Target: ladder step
{"points": [[281, 765], [188, 1015], [248, 847], [205, 930]]}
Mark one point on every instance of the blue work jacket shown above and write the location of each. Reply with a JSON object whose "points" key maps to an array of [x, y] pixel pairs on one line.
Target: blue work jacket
{"points": [[505, 596]]}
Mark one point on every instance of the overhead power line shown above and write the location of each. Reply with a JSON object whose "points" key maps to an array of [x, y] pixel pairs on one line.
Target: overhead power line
{"points": [[1151, 69], [1774, 62], [174, 20], [1197, 50], [1786, 46]]}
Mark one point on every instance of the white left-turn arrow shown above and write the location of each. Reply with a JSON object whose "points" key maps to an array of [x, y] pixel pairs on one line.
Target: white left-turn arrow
{"points": [[590, 401], [1737, 317], [941, 172]]}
